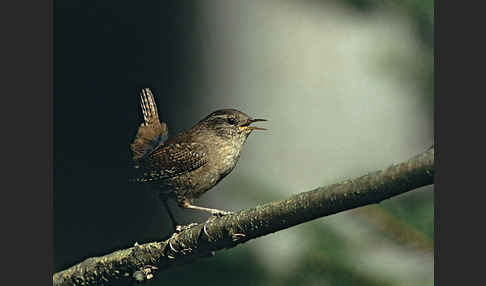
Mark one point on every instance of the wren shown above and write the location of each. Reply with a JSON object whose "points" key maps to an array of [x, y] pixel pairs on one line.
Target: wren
{"points": [[189, 164]]}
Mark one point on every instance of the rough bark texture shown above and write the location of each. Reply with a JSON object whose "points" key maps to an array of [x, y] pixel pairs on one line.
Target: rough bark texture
{"points": [[140, 262]]}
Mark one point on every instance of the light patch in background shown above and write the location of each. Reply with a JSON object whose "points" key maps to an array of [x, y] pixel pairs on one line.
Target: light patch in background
{"points": [[337, 103], [381, 257]]}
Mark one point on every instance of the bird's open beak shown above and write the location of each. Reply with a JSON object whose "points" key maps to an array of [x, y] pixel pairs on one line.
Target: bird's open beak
{"points": [[246, 125]]}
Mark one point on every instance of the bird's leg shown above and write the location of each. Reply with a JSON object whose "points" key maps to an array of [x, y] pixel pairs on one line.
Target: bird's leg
{"points": [[184, 203], [176, 227], [166, 205], [187, 205]]}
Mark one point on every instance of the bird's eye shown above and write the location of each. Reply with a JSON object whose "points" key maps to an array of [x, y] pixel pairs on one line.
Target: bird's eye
{"points": [[232, 120]]}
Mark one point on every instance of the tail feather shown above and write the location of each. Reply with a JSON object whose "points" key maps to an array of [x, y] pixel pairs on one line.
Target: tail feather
{"points": [[151, 133]]}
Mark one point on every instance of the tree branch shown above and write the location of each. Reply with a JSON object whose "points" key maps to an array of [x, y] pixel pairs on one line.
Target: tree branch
{"points": [[140, 261]]}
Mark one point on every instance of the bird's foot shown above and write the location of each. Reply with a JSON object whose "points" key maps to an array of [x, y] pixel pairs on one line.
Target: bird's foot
{"points": [[181, 228], [220, 213], [214, 214], [205, 230]]}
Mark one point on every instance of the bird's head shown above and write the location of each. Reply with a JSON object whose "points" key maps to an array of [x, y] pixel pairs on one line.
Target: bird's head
{"points": [[231, 123]]}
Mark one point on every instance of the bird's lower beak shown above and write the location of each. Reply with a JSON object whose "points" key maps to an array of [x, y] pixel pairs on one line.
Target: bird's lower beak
{"points": [[246, 125]]}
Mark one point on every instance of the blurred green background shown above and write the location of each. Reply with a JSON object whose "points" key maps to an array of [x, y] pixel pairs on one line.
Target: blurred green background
{"points": [[347, 87]]}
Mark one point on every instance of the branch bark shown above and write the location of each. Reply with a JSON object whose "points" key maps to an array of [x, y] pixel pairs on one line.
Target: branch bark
{"points": [[140, 261]]}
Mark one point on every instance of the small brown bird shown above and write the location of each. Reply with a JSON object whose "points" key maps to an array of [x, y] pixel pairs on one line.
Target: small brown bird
{"points": [[189, 164]]}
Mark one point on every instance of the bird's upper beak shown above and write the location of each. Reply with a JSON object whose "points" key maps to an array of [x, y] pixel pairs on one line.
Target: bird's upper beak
{"points": [[246, 125]]}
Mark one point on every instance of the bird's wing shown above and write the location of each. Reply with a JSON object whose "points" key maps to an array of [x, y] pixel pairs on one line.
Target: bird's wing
{"points": [[151, 132], [170, 160]]}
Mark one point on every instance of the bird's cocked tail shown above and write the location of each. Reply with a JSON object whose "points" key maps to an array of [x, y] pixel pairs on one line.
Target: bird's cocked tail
{"points": [[151, 132]]}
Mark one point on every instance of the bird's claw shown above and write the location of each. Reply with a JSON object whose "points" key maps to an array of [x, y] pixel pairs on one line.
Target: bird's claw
{"points": [[219, 213], [205, 229], [214, 215], [180, 228]]}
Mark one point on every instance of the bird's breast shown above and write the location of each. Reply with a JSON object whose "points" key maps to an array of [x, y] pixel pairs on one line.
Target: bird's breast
{"points": [[228, 157]]}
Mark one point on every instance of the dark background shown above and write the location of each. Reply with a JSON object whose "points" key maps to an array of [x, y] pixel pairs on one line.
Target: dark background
{"points": [[104, 51]]}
